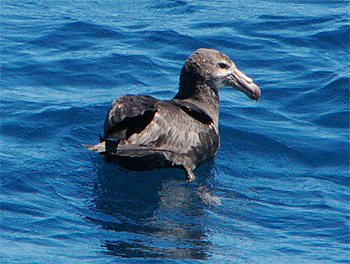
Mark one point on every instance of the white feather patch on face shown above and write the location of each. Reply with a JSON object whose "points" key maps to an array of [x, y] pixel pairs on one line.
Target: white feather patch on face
{"points": [[221, 75]]}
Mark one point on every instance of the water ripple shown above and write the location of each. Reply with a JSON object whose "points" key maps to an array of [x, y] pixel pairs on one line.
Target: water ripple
{"points": [[282, 171]]}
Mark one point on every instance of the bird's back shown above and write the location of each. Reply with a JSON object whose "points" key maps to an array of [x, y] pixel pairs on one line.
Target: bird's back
{"points": [[143, 133]]}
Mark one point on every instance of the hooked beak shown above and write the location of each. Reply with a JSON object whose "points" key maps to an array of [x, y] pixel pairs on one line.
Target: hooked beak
{"points": [[243, 83]]}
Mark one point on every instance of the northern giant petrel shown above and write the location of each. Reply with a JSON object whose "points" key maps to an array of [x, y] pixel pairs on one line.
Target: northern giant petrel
{"points": [[144, 133]]}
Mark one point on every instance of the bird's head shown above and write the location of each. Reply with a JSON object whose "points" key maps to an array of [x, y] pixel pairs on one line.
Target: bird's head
{"points": [[211, 68]]}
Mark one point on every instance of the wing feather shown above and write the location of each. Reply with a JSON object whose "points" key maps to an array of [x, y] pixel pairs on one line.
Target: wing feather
{"points": [[127, 115], [140, 125], [176, 134]]}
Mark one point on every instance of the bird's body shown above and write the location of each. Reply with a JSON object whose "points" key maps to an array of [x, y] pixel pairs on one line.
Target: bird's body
{"points": [[143, 133]]}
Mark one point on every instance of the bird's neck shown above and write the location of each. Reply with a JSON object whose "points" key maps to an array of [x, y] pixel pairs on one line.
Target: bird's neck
{"points": [[204, 97]]}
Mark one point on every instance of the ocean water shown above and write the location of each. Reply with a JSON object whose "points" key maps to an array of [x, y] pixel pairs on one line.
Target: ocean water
{"points": [[282, 171]]}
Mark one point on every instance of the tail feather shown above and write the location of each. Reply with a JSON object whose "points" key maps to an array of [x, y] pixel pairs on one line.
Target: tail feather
{"points": [[110, 147], [99, 148]]}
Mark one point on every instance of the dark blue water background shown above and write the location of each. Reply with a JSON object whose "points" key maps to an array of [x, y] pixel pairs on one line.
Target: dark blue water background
{"points": [[282, 172]]}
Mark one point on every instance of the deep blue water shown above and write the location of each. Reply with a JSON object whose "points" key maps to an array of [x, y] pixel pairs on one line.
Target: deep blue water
{"points": [[282, 172]]}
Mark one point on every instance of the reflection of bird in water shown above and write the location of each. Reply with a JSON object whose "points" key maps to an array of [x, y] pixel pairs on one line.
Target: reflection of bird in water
{"points": [[148, 217], [143, 133]]}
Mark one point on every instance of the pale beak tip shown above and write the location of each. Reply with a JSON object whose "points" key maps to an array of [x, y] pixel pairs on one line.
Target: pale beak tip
{"points": [[257, 93]]}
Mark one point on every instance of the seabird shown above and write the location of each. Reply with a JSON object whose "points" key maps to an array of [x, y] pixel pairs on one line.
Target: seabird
{"points": [[143, 133]]}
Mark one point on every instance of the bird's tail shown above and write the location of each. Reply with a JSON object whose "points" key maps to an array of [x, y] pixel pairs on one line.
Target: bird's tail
{"points": [[99, 148], [110, 147]]}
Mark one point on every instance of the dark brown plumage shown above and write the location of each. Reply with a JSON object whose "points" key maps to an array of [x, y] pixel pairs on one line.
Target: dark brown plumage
{"points": [[143, 133]]}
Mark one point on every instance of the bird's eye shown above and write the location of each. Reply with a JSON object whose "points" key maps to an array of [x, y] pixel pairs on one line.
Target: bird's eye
{"points": [[223, 65]]}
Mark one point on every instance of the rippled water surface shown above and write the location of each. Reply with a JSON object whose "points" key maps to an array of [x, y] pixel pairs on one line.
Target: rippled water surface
{"points": [[282, 172]]}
